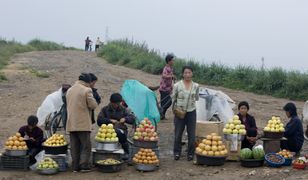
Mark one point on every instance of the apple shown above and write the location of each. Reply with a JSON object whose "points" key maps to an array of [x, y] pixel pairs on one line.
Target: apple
{"points": [[152, 138], [146, 138], [136, 137]]}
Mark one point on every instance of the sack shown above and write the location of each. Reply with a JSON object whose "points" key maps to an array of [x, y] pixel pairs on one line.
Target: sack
{"points": [[179, 113]]}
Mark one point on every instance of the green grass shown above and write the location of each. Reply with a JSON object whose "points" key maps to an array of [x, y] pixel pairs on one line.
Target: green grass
{"points": [[276, 82], [9, 48], [40, 74]]}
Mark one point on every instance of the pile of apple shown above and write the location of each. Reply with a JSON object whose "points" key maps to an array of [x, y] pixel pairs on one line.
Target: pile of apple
{"points": [[47, 163], [212, 146], [234, 126], [145, 156], [145, 131], [274, 125], [16, 142], [286, 154], [55, 140], [106, 133]]}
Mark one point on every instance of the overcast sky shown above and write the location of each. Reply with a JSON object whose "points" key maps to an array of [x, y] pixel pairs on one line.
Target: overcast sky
{"points": [[228, 31]]}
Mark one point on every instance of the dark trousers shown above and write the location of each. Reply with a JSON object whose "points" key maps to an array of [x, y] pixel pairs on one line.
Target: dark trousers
{"points": [[80, 149], [179, 125], [165, 101], [86, 48], [290, 145], [123, 140], [96, 48], [33, 152], [247, 144]]}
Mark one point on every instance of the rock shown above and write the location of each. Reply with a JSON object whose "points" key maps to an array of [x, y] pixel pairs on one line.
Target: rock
{"points": [[216, 172], [286, 171], [252, 173], [167, 174]]}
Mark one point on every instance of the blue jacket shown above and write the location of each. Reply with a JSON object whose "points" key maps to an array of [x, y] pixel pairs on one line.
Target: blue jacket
{"points": [[295, 134]]}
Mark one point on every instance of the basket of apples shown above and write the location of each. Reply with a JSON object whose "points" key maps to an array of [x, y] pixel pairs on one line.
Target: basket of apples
{"points": [[300, 163], [106, 138], [274, 129], [234, 128], [145, 135]]}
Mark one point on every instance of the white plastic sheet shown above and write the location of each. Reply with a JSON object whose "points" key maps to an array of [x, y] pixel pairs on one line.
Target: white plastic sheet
{"points": [[52, 103], [212, 102], [305, 112]]}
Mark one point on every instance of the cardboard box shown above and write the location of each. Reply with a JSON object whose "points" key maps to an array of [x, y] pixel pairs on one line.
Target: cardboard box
{"points": [[205, 128]]}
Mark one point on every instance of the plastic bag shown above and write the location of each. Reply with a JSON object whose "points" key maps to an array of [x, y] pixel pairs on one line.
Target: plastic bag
{"points": [[216, 104], [39, 157], [51, 103], [305, 112], [141, 100]]}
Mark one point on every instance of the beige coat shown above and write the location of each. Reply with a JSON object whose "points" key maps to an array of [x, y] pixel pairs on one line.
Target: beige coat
{"points": [[80, 102]]}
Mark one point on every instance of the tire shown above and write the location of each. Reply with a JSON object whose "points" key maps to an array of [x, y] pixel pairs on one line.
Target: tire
{"points": [[56, 124]]}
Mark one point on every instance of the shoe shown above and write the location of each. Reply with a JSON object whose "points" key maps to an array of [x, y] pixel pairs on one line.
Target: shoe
{"points": [[190, 158], [85, 170], [176, 157]]}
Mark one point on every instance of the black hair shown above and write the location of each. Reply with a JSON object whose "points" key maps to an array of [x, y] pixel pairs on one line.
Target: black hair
{"points": [[85, 77], [169, 58], [93, 77], [291, 108], [187, 67], [116, 98], [243, 103], [32, 120]]}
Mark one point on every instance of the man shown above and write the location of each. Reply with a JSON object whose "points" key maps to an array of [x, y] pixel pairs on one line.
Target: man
{"points": [[118, 115], [80, 103], [165, 88], [34, 137], [97, 44], [95, 94]]}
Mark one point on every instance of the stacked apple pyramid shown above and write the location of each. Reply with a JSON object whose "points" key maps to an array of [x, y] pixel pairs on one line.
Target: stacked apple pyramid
{"points": [[274, 125], [55, 140], [234, 126], [16, 143], [106, 133], [212, 146], [145, 156], [145, 131]]}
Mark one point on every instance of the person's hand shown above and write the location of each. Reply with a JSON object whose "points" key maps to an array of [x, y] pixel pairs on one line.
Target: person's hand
{"points": [[31, 139], [122, 120], [114, 121]]}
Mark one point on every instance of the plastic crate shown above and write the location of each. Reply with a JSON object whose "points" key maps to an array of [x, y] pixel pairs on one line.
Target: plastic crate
{"points": [[61, 159], [14, 162]]}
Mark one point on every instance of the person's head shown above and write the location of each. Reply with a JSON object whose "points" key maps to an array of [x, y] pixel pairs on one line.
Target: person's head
{"points": [[85, 77], [243, 108], [32, 121], [115, 100], [290, 109], [87, 37], [93, 80], [187, 73], [97, 37], [169, 59]]}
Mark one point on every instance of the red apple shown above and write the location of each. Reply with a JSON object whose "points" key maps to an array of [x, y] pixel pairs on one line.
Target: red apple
{"points": [[144, 134], [152, 138]]}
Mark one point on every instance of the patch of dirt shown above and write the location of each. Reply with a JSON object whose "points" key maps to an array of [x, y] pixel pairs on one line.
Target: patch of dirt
{"points": [[23, 93]]}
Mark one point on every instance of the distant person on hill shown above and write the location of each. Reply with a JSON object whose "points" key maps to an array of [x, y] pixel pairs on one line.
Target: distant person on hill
{"points": [[294, 131], [87, 44], [95, 94], [34, 137], [98, 43], [250, 125], [166, 85]]}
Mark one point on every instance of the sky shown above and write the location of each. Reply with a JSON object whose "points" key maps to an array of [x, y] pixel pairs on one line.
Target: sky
{"points": [[230, 32]]}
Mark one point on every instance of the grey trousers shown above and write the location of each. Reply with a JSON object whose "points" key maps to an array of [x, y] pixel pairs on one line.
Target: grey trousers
{"points": [[80, 149], [179, 125]]}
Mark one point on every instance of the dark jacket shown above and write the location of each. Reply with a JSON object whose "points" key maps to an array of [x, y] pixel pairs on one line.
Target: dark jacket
{"points": [[98, 100], [295, 134], [36, 133], [251, 130], [108, 112]]}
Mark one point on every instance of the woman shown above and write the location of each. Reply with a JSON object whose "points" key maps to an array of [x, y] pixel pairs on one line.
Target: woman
{"points": [[294, 130], [250, 125], [185, 93]]}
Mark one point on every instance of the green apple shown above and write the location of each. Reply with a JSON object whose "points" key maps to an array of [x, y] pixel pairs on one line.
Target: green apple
{"points": [[227, 125], [110, 126], [235, 131], [267, 128], [235, 117], [114, 135], [281, 129], [225, 130], [231, 126], [238, 127]]}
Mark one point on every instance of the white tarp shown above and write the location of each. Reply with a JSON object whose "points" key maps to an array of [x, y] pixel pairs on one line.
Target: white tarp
{"points": [[212, 102], [51, 103], [305, 112]]}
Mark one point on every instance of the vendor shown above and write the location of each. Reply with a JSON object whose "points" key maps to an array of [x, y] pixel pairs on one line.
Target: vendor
{"points": [[34, 137], [118, 115], [294, 130], [250, 125]]}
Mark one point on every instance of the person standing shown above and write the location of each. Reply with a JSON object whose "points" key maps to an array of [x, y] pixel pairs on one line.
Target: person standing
{"points": [[87, 43], [80, 102], [97, 44], [186, 93], [165, 88], [294, 131]]}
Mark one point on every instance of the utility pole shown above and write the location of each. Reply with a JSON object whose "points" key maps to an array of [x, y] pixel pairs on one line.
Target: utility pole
{"points": [[107, 35], [262, 66]]}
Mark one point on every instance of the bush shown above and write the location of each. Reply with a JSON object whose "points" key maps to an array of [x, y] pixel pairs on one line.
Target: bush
{"points": [[276, 81]]}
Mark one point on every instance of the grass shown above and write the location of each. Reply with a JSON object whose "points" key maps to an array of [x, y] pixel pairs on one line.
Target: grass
{"points": [[9, 48], [40, 74], [276, 82]]}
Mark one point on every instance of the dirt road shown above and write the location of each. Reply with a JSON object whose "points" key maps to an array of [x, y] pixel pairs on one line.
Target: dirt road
{"points": [[23, 93]]}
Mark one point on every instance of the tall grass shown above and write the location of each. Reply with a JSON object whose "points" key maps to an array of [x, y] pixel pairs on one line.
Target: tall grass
{"points": [[275, 82], [9, 48]]}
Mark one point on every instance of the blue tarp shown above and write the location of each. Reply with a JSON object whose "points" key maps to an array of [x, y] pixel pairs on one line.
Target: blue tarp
{"points": [[141, 100]]}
